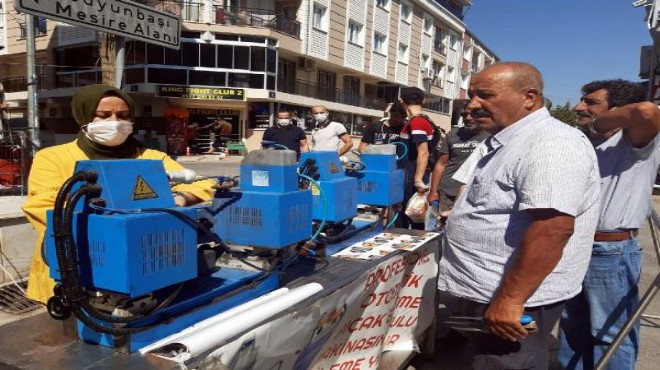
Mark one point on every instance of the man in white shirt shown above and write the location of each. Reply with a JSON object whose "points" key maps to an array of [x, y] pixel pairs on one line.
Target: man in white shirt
{"points": [[329, 135], [518, 240]]}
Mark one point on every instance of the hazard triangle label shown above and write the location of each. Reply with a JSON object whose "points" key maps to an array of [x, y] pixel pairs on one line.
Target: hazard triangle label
{"points": [[143, 190]]}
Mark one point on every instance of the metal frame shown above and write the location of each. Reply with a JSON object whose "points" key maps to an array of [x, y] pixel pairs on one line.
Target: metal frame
{"points": [[654, 223]]}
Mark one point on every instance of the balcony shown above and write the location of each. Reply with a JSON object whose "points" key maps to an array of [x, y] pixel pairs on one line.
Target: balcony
{"points": [[455, 7], [304, 88], [201, 13]]}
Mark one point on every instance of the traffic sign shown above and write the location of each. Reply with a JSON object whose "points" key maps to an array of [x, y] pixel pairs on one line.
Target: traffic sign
{"points": [[119, 17]]}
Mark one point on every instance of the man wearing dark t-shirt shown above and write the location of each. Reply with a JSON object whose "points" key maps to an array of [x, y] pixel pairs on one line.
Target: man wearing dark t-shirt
{"points": [[385, 131], [283, 132], [454, 150]]}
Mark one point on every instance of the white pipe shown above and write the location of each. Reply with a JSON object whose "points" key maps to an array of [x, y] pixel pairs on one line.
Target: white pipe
{"points": [[217, 318], [208, 337]]}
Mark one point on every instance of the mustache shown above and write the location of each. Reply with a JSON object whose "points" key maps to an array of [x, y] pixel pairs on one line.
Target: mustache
{"points": [[479, 113]]}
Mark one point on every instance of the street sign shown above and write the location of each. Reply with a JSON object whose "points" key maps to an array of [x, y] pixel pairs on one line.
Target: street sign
{"points": [[119, 17]]}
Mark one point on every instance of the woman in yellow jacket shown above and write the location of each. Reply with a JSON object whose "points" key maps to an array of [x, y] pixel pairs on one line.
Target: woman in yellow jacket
{"points": [[105, 115]]}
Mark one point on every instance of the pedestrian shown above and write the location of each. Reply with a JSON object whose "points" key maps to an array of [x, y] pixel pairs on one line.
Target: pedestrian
{"points": [[385, 131], [454, 149], [623, 128], [421, 136], [518, 241], [105, 116], [222, 129], [329, 135], [285, 132]]}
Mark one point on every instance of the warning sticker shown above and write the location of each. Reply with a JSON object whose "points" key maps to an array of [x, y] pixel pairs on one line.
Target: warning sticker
{"points": [[333, 167], [143, 190]]}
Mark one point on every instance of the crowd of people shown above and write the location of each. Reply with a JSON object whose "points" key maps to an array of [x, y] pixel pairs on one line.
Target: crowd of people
{"points": [[541, 218]]}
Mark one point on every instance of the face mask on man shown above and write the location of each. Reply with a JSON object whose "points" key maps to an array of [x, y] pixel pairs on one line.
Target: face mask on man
{"points": [[283, 122], [109, 133], [321, 117]]}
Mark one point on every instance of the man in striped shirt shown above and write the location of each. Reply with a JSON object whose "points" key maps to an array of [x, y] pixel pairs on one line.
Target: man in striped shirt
{"points": [[518, 240]]}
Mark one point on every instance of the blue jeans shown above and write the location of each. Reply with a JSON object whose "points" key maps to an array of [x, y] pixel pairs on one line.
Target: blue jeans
{"points": [[592, 319]]}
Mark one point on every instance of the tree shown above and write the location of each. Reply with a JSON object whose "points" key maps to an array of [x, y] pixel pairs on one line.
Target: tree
{"points": [[564, 113]]}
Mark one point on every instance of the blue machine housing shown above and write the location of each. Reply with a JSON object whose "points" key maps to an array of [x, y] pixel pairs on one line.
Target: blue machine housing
{"points": [[380, 183], [339, 189], [269, 211], [131, 254], [132, 248]]}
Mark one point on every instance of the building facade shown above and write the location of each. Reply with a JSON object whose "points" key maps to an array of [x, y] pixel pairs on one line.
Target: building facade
{"points": [[242, 60]]}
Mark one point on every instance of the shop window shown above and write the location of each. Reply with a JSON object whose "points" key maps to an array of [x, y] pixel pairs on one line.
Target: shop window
{"points": [[225, 56], [172, 57], [226, 37], [254, 39], [207, 55], [271, 60], [256, 81], [190, 34], [134, 75], [190, 54], [135, 52], [241, 57], [155, 54], [208, 78], [258, 59], [168, 76]]}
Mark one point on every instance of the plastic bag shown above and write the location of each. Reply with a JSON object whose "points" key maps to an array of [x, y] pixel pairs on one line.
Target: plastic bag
{"points": [[417, 207]]}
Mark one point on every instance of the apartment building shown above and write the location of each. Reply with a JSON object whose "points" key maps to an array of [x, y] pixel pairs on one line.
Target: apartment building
{"points": [[242, 60]]}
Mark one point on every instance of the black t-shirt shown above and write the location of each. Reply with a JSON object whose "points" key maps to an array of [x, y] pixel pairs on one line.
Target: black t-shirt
{"points": [[380, 133], [289, 136], [459, 144]]}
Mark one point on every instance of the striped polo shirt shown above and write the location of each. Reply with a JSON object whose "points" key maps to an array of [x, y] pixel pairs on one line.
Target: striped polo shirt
{"points": [[535, 163]]}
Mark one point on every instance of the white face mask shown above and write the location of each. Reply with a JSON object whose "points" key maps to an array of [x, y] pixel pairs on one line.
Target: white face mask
{"points": [[108, 133], [321, 117], [283, 121]]}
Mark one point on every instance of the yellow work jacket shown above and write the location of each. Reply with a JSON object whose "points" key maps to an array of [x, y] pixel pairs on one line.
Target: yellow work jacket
{"points": [[50, 168]]}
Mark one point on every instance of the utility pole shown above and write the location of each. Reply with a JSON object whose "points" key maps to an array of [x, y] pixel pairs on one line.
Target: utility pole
{"points": [[32, 100], [111, 50]]}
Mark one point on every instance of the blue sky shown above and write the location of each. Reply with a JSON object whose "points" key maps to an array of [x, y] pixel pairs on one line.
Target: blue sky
{"points": [[572, 42]]}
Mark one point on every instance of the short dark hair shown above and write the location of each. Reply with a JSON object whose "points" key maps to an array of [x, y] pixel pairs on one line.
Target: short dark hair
{"points": [[619, 92], [283, 111], [398, 108], [412, 95]]}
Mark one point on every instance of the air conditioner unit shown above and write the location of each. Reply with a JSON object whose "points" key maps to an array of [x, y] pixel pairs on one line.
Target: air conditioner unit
{"points": [[207, 36], [306, 64]]}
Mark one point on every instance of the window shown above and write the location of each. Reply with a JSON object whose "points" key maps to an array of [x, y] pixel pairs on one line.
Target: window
{"points": [[354, 32], [327, 84], [438, 71], [453, 41], [319, 17], [467, 52], [379, 43], [428, 25], [424, 61], [439, 41], [382, 3], [406, 12], [40, 28], [351, 93], [402, 53]]}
